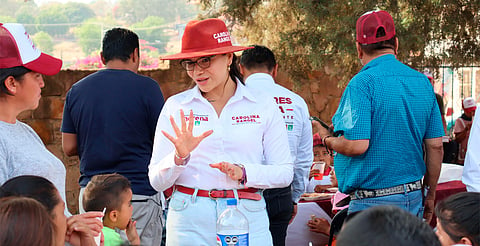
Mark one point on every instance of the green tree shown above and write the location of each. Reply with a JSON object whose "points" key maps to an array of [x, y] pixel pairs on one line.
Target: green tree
{"points": [[77, 12], [26, 16], [52, 20], [89, 35], [312, 35], [43, 41], [7, 19], [152, 29], [133, 11]]}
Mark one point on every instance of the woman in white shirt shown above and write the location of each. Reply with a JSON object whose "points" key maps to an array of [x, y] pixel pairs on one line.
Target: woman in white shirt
{"points": [[231, 142]]}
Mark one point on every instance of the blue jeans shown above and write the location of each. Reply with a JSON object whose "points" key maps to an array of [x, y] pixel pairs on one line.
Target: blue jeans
{"points": [[279, 209], [411, 202]]}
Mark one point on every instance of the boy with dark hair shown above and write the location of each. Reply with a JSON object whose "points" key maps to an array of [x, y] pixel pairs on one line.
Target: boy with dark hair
{"points": [[112, 192]]}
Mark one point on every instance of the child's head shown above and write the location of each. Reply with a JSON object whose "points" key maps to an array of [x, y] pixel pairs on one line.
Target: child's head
{"points": [[113, 192]]}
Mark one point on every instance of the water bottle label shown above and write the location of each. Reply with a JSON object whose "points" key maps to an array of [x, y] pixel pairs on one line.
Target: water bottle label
{"points": [[232, 240]]}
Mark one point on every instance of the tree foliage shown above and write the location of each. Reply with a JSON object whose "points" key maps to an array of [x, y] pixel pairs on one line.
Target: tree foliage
{"points": [[152, 29], [43, 41], [320, 34], [134, 11]]}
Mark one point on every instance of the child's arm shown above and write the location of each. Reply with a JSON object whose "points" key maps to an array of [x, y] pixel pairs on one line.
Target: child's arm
{"points": [[132, 234]]}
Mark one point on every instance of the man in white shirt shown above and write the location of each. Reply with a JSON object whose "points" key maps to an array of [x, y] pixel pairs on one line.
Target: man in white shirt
{"points": [[471, 169], [259, 69]]}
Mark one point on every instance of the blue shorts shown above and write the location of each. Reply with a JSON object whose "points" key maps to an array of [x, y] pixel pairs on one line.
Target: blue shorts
{"points": [[192, 220]]}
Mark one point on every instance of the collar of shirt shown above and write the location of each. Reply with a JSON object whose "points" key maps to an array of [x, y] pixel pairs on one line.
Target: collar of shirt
{"points": [[379, 60], [240, 92], [259, 80]]}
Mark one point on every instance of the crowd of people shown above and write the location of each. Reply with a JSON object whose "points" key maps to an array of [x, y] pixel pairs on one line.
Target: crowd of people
{"points": [[235, 134]]}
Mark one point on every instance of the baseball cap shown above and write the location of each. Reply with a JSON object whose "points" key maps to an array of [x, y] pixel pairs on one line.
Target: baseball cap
{"points": [[369, 23], [17, 49], [428, 74], [317, 140], [205, 38], [469, 104]]}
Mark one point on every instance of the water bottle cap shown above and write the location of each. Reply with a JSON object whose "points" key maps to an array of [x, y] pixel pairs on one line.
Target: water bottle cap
{"points": [[231, 202]]}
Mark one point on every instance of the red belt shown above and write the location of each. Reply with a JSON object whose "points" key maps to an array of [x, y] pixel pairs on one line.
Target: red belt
{"points": [[249, 193]]}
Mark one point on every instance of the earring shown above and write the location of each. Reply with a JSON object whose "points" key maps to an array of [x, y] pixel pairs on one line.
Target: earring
{"points": [[228, 68]]}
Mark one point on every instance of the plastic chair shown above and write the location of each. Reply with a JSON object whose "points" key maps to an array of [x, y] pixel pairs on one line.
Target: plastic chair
{"points": [[336, 224]]}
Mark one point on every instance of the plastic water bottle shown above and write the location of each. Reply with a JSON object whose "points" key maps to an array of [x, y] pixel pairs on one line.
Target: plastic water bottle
{"points": [[232, 226]]}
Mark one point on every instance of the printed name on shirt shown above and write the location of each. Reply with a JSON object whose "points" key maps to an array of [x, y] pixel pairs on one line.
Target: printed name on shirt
{"points": [[198, 118], [222, 37], [246, 119]]}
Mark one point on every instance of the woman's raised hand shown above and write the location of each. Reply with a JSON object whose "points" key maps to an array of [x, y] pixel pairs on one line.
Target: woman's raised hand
{"points": [[184, 141]]}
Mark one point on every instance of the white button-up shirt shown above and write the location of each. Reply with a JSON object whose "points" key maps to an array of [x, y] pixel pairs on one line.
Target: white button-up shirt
{"points": [[299, 128], [249, 129], [471, 168]]}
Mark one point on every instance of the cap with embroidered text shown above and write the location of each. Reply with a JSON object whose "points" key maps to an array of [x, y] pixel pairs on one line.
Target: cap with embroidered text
{"points": [[17, 49], [205, 38], [369, 23]]}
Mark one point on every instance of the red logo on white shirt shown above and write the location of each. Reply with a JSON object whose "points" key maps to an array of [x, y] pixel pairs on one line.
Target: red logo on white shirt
{"points": [[246, 119]]}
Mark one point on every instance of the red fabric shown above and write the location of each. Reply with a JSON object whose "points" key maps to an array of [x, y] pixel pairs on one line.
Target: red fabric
{"points": [[445, 190]]}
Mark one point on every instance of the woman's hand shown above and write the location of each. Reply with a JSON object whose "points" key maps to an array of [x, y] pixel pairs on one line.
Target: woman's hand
{"points": [[233, 171], [132, 233], [312, 173], [79, 233], [184, 141]]}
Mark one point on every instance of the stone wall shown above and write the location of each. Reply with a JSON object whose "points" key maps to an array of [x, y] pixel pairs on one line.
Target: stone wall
{"points": [[319, 91]]}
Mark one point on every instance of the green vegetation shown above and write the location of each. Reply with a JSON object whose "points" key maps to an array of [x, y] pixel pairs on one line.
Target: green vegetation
{"points": [[311, 35]]}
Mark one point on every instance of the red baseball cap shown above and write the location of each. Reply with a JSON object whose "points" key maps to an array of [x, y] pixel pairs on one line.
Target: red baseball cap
{"points": [[17, 49], [469, 104], [369, 23], [204, 38], [317, 140]]}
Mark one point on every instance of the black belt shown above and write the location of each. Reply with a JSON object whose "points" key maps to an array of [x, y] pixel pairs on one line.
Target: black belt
{"points": [[399, 189]]}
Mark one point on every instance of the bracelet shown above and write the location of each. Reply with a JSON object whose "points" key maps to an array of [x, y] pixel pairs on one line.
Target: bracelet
{"points": [[183, 159], [243, 180], [329, 151]]}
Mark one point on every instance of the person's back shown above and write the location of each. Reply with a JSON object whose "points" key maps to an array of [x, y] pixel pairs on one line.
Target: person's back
{"points": [[259, 68], [402, 104], [109, 120]]}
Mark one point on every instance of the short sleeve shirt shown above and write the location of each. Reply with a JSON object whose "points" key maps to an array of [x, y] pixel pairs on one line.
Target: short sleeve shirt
{"points": [[394, 107]]}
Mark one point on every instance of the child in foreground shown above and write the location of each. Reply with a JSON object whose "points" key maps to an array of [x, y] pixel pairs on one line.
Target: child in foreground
{"points": [[112, 192]]}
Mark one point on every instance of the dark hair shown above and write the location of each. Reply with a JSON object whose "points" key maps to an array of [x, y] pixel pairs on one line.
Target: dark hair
{"points": [[235, 70], [119, 43], [105, 191], [459, 215], [16, 72], [258, 57], [386, 225], [24, 222], [369, 49], [38, 188]]}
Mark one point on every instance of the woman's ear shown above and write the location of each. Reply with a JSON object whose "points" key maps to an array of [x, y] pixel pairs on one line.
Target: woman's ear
{"points": [[11, 84]]}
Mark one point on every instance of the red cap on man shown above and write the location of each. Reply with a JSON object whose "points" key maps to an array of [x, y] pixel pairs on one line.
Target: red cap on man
{"points": [[369, 23]]}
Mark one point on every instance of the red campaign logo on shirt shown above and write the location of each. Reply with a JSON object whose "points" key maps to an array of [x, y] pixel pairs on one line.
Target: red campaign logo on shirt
{"points": [[283, 100], [246, 119], [198, 118]]}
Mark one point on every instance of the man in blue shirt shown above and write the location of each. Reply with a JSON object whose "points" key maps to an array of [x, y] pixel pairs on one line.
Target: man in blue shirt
{"points": [[109, 121], [386, 114]]}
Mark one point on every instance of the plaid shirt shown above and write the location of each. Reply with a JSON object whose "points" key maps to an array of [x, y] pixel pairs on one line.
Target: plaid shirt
{"points": [[395, 108]]}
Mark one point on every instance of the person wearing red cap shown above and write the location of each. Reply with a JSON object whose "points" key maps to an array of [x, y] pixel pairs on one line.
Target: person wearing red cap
{"points": [[461, 129], [217, 141], [22, 65], [386, 113]]}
